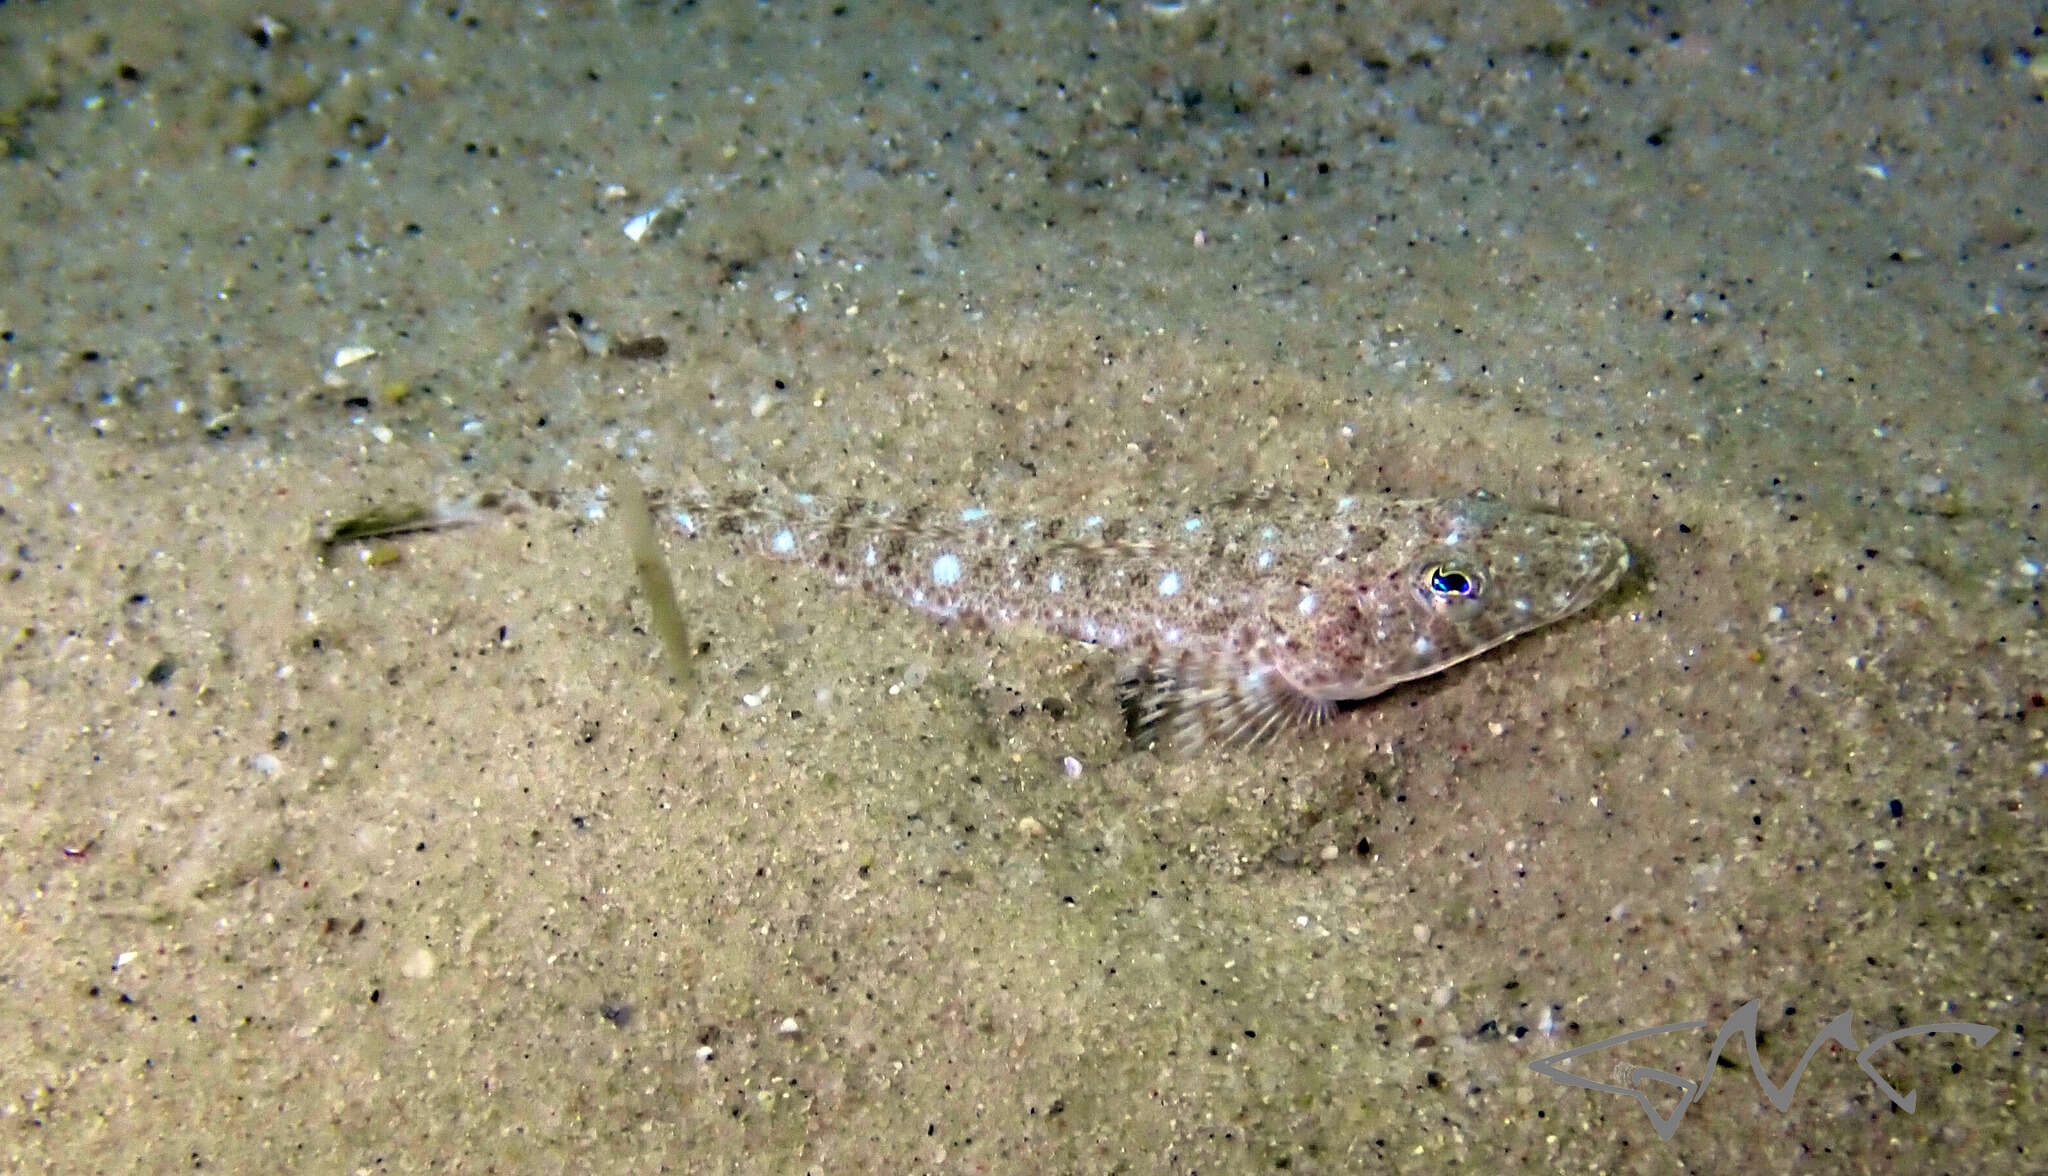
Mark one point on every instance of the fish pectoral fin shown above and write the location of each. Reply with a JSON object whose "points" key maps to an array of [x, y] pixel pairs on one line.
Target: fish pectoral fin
{"points": [[1206, 698]]}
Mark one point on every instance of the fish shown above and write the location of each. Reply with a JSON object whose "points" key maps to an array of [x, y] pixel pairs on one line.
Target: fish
{"points": [[1266, 612]]}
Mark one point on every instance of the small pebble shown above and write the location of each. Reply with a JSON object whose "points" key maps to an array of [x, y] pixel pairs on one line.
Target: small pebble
{"points": [[417, 965]]}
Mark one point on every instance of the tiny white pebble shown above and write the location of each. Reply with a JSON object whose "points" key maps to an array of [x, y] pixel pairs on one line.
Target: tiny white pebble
{"points": [[1072, 767], [784, 541], [124, 959], [345, 356], [946, 570], [789, 1027], [705, 1053], [417, 965], [1169, 584]]}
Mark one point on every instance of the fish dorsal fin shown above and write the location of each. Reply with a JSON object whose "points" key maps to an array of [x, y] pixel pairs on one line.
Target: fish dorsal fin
{"points": [[1210, 697]]}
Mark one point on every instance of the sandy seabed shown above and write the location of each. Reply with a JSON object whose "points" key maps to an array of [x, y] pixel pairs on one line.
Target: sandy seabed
{"points": [[410, 856]]}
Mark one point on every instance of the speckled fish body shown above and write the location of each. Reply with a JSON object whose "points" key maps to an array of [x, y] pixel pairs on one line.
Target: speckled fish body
{"points": [[1237, 621]]}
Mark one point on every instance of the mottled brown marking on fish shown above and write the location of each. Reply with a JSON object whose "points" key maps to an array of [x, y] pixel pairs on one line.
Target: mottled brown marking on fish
{"points": [[1238, 621]]}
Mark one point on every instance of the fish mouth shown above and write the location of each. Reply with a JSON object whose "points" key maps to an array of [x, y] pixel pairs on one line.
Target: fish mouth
{"points": [[1612, 562], [1607, 558]]}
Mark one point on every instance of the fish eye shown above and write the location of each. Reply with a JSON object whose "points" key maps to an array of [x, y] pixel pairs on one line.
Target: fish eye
{"points": [[1450, 580]]}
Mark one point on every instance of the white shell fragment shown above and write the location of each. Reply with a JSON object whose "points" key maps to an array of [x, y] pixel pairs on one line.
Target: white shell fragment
{"points": [[671, 209], [418, 964], [344, 356]]}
